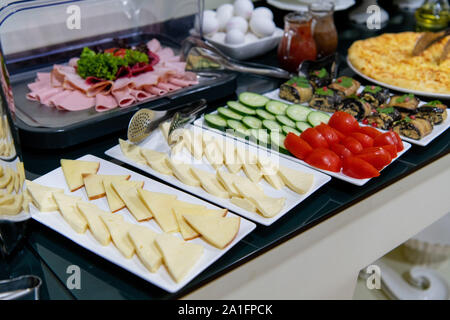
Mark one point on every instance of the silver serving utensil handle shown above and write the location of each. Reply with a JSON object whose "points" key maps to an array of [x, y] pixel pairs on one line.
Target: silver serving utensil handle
{"points": [[24, 287]]}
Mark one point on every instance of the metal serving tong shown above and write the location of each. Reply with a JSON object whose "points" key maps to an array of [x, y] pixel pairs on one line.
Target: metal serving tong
{"points": [[427, 39], [145, 121], [23, 288]]}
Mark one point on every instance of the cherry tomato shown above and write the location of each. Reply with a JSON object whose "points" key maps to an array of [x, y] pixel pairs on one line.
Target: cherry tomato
{"points": [[343, 122], [324, 159], [384, 139], [397, 139], [376, 156], [358, 168], [314, 138], [111, 50], [365, 140], [328, 132], [120, 53], [391, 149], [370, 131], [297, 146], [353, 145], [340, 135], [341, 150]]}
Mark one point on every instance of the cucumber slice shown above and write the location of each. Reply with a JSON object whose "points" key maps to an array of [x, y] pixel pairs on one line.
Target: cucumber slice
{"points": [[271, 125], [277, 141], [316, 117], [287, 129], [261, 136], [298, 112], [238, 127], [285, 121], [264, 115], [215, 121], [302, 126], [240, 108], [229, 114], [276, 107], [253, 100], [252, 122]]}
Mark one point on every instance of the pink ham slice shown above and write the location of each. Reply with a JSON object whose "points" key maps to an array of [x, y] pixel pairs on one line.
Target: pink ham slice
{"points": [[103, 87], [141, 95], [155, 90], [75, 101], [167, 86], [182, 83], [124, 97], [56, 100], [73, 62], [44, 94], [43, 76], [105, 102], [178, 67], [75, 82]]}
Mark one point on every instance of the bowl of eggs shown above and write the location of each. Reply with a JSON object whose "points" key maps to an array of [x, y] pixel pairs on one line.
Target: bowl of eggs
{"points": [[240, 30]]}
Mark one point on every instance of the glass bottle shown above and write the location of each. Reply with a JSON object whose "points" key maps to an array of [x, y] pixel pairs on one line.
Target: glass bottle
{"points": [[433, 15], [324, 29]]}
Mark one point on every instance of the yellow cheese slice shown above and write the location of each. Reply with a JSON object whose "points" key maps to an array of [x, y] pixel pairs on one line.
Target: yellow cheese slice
{"points": [[10, 186], [114, 201], [21, 171], [252, 171], [164, 127], [177, 147], [179, 256], [213, 154], [230, 158], [197, 146], [42, 196], [16, 182], [92, 215], [243, 203], [274, 180], [245, 187], [267, 206], [269, 169], [118, 228], [93, 184], [227, 180], [245, 156], [26, 201], [129, 195], [69, 211], [210, 183], [74, 169], [218, 231], [13, 208], [143, 240], [183, 173], [6, 198], [5, 179], [298, 181], [156, 160], [131, 151], [161, 208]]}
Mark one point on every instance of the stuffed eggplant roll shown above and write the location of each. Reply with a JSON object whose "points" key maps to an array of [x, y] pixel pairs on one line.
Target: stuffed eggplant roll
{"points": [[375, 95], [325, 99], [296, 90], [416, 128], [345, 86], [434, 111], [383, 117], [407, 104], [320, 78], [356, 107]]}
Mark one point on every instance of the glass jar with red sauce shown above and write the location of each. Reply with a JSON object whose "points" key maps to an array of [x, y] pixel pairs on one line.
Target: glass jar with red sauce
{"points": [[324, 30], [297, 43]]}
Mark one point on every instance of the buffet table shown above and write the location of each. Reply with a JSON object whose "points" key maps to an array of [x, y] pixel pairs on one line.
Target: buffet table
{"points": [[315, 251]]}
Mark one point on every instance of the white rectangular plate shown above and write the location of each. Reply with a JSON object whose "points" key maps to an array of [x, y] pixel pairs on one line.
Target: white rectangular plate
{"points": [[438, 129], [161, 278], [157, 142]]}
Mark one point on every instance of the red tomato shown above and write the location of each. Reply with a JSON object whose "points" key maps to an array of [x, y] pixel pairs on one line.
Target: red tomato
{"points": [[324, 159], [314, 138], [341, 150], [376, 156], [365, 140], [120, 53], [353, 145], [397, 139], [297, 146], [371, 132], [328, 132], [391, 149], [384, 139], [343, 122], [111, 50], [340, 135], [358, 168]]}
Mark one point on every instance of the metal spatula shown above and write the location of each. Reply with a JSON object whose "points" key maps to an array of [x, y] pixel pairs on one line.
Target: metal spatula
{"points": [[145, 121]]}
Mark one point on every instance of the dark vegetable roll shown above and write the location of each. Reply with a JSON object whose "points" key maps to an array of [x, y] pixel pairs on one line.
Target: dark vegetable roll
{"points": [[296, 90], [406, 104], [416, 128], [356, 107], [383, 117], [345, 86], [375, 95], [434, 111], [325, 99], [320, 78]]}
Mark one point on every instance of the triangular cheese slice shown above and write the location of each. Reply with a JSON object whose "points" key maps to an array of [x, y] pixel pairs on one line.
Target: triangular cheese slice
{"points": [[227, 180], [245, 187], [69, 210], [42, 196], [161, 208], [132, 152], [197, 146], [245, 156], [230, 158], [74, 169], [218, 231], [178, 256], [243, 203], [269, 169], [210, 183], [129, 195], [267, 206], [156, 160], [93, 183], [5, 179], [118, 228], [92, 215], [298, 181], [183, 173], [143, 240], [13, 208], [165, 127], [114, 201], [213, 154], [26, 201], [10, 186], [275, 181], [21, 171], [252, 171]]}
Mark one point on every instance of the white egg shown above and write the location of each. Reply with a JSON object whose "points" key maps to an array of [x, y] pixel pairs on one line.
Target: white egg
{"points": [[210, 24], [234, 36], [237, 23], [250, 37], [243, 8], [219, 37], [262, 27], [223, 14], [208, 15], [262, 11]]}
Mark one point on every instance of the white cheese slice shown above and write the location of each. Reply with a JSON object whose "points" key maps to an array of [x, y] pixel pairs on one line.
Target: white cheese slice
{"points": [[156, 160], [13, 208], [183, 173], [69, 211], [118, 228], [114, 201], [92, 215], [243, 203], [252, 171], [129, 195], [230, 157], [210, 183], [298, 181], [268, 207], [227, 180], [132, 151], [213, 154], [197, 146], [5, 179], [143, 240], [164, 127], [42, 196]]}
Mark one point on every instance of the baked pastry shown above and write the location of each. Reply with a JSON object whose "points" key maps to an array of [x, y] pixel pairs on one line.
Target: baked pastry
{"points": [[296, 90], [345, 86], [407, 104], [434, 111], [416, 128]]}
